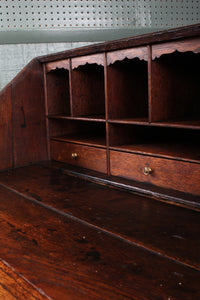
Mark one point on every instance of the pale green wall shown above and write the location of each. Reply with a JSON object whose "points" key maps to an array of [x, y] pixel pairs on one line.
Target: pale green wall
{"points": [[14, 57]]}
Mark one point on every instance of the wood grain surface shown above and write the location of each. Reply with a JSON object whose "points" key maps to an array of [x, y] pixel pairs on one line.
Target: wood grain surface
{"points": [[6, 133], [158, 226], [60, 64], [180, 46], [88, 157], [168, 173], [14, 286], [138, 52], [90, 59], [70, 259], [29, 132]]}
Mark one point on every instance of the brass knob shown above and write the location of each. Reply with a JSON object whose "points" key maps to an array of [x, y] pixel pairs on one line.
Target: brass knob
{"points": [[147, 170], [74, 155]]}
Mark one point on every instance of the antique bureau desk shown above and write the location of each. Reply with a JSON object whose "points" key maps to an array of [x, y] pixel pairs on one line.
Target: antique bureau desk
{"points": [[100, 172]]}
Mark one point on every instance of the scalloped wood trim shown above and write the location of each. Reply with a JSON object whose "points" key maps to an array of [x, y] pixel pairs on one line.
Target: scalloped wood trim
{"points": [[60, 64], [89, 59], [138, 52], [192, 45]]}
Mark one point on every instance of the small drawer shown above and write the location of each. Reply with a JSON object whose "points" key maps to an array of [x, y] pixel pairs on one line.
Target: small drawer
{"points": [[167, 173], [78, 155]]}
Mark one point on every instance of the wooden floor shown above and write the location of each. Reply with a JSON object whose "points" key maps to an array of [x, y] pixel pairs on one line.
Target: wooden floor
{"points": [[63, 237]]}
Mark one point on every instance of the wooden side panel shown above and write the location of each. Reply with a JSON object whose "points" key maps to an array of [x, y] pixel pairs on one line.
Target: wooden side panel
{"points": [[172, 174], [6, 129], [29, 135]]}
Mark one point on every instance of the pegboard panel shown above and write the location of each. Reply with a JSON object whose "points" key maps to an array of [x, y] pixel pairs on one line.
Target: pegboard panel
{"points": [[48, 14], [175, 13], [25, 14]]}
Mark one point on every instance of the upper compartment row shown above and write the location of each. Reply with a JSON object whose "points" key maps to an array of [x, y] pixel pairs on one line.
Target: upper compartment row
{"points": [[157, 84]]}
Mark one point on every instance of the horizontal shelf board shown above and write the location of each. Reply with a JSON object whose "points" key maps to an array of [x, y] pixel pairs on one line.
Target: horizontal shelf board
{"points": [[137, 121], [93, 118], [95, 141], [194, 124], [172, 151], [191, 124]]}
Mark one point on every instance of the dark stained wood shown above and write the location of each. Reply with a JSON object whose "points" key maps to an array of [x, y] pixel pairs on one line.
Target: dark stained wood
{"points": [[149, 83], [88, 96], [163, 141], [111, 110], [96, 118], [78, 131], [57, 91], [127, 89], [191, 124], [138, 52], [91, 59], [29, 133], [135, 121], [98, 141], [169, 150], [157, 226], [70, 260], [14, 286], [87, 157], [175, 87], [6, 151], [60, 64], [172, 174], [160, 194], [46, 112], [180, 46]]}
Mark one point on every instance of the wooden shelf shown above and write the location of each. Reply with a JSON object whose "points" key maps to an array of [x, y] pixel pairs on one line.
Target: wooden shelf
{"points": [[96, 141], [179, 151], [190, 124], [92, 118], [136, 121]]}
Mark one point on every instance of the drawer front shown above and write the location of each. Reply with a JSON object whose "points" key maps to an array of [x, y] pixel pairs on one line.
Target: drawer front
{"points": [[172, 174], [78, 155]]}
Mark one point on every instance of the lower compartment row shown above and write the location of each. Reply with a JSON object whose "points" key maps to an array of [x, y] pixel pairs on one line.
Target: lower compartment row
{"points": [[164, 172]]}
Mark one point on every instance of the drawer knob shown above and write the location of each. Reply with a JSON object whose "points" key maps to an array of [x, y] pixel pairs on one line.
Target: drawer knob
{"points": [[74, 155], [147, 170]]}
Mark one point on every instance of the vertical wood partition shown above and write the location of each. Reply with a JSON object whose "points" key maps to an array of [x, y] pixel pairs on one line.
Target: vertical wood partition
{"points": [[46, 113], [149, 82], [106, 110]]}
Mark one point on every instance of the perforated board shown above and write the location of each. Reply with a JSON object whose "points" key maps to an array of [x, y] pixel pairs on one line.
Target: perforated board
{"points": [[48, 14]]}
